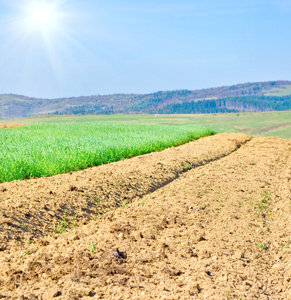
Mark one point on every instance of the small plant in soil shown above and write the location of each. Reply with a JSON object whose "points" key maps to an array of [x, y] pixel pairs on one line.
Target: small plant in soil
{"points": [[63, 225], [97, 201], [75, 222], [262, 246], [266, 195], [263, 205], [99, 215], [93, 247], [24, 254]]}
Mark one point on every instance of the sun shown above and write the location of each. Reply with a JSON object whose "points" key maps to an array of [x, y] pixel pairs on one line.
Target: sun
{"points": [[41, 16]]}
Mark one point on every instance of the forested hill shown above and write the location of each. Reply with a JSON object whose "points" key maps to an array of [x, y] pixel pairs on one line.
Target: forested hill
{"points": [[258, 96], [229, 104]]}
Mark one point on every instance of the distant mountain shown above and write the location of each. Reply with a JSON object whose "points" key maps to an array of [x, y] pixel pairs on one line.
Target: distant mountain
{"points": [[257, 96]]}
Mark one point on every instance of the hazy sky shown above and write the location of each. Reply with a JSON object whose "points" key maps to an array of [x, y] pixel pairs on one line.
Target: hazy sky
{"points": [[73, 48]]}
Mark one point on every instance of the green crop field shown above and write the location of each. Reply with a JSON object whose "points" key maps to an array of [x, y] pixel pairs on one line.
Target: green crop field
{"points": [[256, 124], [70, 144], [50, 145]]}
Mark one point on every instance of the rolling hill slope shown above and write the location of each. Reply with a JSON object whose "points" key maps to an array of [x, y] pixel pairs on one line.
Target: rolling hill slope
{"points": [[258, 96]]}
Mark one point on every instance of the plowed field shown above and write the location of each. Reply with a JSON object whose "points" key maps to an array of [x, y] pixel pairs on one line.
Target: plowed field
{"points": [[207, 220]]}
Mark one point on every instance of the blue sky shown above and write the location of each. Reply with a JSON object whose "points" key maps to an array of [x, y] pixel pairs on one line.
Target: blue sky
{"points": [[104, 47]]}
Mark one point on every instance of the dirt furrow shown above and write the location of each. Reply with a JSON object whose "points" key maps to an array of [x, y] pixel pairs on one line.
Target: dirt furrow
{"points": [[33, 208], [219, 231]]}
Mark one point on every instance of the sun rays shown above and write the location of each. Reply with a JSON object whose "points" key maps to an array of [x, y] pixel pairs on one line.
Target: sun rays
{"points": [[40, 40], [42, 16]]}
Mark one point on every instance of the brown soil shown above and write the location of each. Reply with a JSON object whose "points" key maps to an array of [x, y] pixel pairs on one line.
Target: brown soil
{"points": [[4, 126], [33, 208], [208, 220]]}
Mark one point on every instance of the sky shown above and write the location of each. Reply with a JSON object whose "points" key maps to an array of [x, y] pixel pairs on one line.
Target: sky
{"points": [[64, 48]]}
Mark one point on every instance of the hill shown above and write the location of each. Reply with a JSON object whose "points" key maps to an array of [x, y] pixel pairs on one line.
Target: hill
{"points": [[258, 96]]}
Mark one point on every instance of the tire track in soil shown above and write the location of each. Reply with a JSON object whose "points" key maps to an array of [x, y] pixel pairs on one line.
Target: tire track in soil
{"points": [[37, 207], [219, 231], [272, 128]]}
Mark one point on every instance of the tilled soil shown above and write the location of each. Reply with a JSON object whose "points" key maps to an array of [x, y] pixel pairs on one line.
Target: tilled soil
{"points": [[220, 230], [33, 208]]}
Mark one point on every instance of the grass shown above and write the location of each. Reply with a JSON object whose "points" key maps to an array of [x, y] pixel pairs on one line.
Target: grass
{"points": [[281, 133], [284, 90], [47, 149], [265, 123], [51, 145], [75, 224]]}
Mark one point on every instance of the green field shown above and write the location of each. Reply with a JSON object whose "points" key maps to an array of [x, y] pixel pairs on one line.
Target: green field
{"points": [[284, 90], [50, 145], [62, 145], [266, 123]]}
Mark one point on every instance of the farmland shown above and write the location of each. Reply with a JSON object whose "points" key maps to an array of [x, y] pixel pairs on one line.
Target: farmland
{"points": [[208, 219], [49, 149], [50, 145], [256, 124]]}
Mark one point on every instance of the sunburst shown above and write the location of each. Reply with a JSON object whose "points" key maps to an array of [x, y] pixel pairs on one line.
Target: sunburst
{"points": [[42, 16]]}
